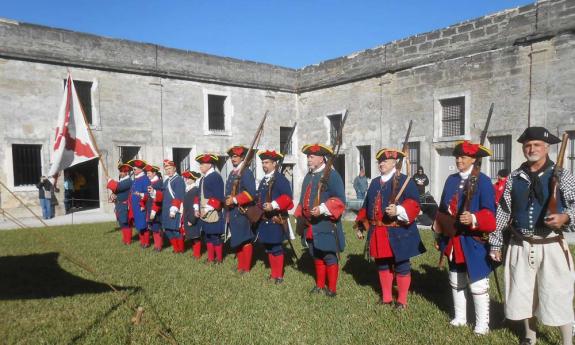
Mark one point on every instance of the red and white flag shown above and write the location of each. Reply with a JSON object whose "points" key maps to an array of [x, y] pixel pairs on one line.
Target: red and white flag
{"points": [[73, 143]]}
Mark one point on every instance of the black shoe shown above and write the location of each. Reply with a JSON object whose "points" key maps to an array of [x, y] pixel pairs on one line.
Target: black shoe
{"points": [[315, 290], [279, 281], [400, 306], [526, 341], [330, 293]]}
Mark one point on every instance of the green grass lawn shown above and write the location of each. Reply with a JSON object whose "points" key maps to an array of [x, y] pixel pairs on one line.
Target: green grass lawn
{"points": [[46, 299]]}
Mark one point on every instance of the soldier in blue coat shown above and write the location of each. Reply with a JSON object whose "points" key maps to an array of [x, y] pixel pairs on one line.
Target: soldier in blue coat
{"points": [[322, 231], [190, 220], [240, 191], [173, 193], [209, 206], [274, 196], [153, 203], [393, 236], [138, 191], [121, 190], [468, 227]]}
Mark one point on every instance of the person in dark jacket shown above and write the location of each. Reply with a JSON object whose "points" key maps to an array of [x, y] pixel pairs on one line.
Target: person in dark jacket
{"points": [[421, 181], [45, 192]]}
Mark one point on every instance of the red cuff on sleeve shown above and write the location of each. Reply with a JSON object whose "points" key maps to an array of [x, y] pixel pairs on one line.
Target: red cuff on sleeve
{"points": [[361, 215], [411, 208], [159, 196], [335, 207], [284, 202], [177, 203], [215, 203], [112, 185], [197, 200], [156, 207], [298, 211], [485, 220], [244, 198], [143, 201]]}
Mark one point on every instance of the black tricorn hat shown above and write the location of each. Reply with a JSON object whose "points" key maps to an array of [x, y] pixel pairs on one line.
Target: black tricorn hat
{"points": [[538, 133]]}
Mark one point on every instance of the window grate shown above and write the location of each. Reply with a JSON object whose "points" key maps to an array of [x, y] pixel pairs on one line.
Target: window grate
{"points": [[334, 126], [127, 153], [181, 158], [501, 154], [216, 113], [453, 117], [27, 164], [414, 156], [285, 146]]}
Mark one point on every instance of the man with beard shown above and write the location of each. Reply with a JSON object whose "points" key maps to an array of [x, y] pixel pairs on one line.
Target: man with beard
{"points": [[538, 265]]}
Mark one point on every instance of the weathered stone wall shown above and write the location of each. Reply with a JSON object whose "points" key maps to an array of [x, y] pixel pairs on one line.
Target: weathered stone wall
{"points": [[141, 86]]}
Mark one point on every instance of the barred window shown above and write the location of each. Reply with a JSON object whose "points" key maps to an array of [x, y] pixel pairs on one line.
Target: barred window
{"points": [[334, 126], [216, 113], [84, 92], [501, 157], [570, 163], [452, 116], [127, 153], [27, 164], [181, 158], [286, 140], [414, 156], [365, 159]]}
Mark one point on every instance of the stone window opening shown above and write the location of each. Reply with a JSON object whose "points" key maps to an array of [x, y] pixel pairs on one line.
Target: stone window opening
{"points": [[216, 113], [414, 152], [27, 164], [285, 136], [452, 117], [334, 126], [127, 153], [181, 156], [84, 92], [570, 162], [365, 159], [501, 157]]}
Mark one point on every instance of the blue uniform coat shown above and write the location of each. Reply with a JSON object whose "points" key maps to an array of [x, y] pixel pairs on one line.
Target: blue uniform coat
{"points": [[213, 187], [268, 231], [193, 230], [178, 187], [122, 192], [405, 241], [240, 226], [324, 229], [155, 224], [476, 252], [140, 185]]}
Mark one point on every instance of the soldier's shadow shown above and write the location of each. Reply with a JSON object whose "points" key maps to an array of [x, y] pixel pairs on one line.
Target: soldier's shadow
{"points": [[363, 272], [40, 276]]}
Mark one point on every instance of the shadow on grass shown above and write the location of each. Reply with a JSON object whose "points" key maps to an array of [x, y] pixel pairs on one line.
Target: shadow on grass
{"points": [[100, 319], [363, 272], [40, 276]]}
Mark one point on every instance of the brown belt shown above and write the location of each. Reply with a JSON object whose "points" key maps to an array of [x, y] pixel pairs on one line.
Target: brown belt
{"points": [[546, 240], [532, 240], [381, 223]]}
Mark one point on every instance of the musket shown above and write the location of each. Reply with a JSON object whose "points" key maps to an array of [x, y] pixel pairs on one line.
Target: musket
{"points": [[405, 149], [554, 187], [249, 156]]}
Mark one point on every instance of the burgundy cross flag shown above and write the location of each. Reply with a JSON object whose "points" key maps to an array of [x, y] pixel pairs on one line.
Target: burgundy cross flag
{"points": [[72, 143]]}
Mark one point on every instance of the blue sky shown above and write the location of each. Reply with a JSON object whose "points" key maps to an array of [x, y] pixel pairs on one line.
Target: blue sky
{"points": [[292, 33]]}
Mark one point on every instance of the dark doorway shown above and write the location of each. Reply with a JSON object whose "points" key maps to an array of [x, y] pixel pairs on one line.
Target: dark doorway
{"points": [[339, 166], [86, 194]]}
